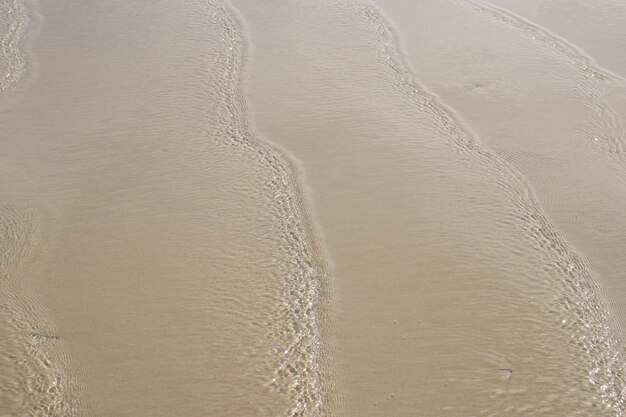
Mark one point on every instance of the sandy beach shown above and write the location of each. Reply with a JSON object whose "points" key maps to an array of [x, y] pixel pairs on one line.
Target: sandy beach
{"points": [[329, 208]]}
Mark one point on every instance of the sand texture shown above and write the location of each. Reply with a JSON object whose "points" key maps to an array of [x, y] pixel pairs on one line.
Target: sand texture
{"points": [[327, 208]]}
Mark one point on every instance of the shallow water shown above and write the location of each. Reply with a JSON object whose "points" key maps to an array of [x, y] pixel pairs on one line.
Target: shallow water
{"points": [[310, 209], [545, 106], [588, 196], [596, 27], [176, 266], [13, 21], [460, 294]]}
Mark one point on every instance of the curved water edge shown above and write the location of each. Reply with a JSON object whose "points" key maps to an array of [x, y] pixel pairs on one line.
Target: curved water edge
{"points": [[297, 329], [38, 383], [15, 18], [585, 63], [296, 332], [597, 81], [578, 306]]}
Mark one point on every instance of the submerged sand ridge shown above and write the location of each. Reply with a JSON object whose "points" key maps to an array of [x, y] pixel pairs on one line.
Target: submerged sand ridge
{"points": [[159, 256], [33, 379], [585, 186], [593, 26], [178, 265], [13, 21], [455, 282], [557, 124]]}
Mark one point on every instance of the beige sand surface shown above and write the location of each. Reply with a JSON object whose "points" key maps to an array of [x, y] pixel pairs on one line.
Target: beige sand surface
{"points": [[174, 264], [594, 26], [541, 103], [328, 208], [460, 294]]}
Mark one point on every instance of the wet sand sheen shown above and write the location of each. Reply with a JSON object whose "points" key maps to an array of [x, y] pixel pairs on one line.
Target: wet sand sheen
{"points": [[32, 379], [594, 26], [590, 192], [159, 257], [13, 22], [176, 266], [546, 107], [459, 296]]}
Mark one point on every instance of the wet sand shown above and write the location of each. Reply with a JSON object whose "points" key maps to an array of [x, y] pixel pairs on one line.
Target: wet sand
{"points": [[455, 282], [549, 109], [175, 267], [595, 27], [333, 208]]}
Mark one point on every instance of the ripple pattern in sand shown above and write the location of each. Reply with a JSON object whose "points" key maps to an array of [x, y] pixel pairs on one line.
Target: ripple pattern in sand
{"points": [[13, 21], [609, 134], [576, 299], [33, 380], [295, 331]]}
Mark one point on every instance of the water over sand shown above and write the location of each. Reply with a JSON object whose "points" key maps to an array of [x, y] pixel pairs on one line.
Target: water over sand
{"points": [[176, 265], [332, 208]]}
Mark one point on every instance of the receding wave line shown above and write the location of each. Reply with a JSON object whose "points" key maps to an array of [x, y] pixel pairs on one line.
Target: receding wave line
{"points": [[295, 332], [585, 63], [40, 385], [14, 19], [611, 133], [579, 307], [37, 382]]}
